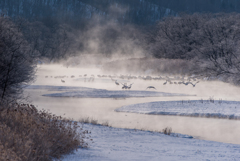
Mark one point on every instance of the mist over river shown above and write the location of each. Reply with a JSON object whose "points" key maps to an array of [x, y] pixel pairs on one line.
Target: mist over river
{"points": [[102, 109]]}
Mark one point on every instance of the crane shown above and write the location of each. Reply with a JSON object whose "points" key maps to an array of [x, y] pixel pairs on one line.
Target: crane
{"points": [[124, 86], [116, 82], [165, 83], [150, 87], [129, 87], [194, 84]]}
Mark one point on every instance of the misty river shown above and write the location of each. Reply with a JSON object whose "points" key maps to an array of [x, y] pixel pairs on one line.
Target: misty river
{"points": [[102, 109]]}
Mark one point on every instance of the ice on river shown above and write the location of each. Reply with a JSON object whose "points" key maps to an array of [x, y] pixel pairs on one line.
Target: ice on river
{"points": [[197, 108], [84, 92]]}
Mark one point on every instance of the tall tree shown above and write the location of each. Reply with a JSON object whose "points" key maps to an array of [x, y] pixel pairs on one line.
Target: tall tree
{"points": [[16, 60]]}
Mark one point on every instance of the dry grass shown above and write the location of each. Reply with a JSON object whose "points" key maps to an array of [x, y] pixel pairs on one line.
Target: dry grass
{"points": [[27, 134], [167, 131], [92, 121], [211, 99], [88, 121], [105, 123]]}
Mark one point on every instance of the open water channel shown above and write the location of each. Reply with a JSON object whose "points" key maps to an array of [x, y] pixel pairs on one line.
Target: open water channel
{"points": [[102, 109]]}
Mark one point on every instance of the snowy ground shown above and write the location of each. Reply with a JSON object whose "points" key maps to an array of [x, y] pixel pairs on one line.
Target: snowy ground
{"points": [[196, 108], [114, 144]]}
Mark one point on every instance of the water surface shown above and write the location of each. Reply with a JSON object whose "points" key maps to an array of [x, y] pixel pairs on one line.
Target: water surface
{"points": [[102, 109]]}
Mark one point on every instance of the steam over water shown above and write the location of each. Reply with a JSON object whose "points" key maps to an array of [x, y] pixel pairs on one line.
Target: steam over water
{"points": [[102, 109]]}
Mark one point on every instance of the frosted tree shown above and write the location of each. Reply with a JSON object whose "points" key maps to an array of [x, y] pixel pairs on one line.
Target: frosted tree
{"points": [[16, 61], [219, 51], [211, 41]]}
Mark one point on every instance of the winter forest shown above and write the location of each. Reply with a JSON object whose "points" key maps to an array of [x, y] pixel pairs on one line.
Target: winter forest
{"points": [[178, 42]]}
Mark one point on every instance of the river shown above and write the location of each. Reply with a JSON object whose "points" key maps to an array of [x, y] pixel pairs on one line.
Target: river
{"points": [[102, 109]]}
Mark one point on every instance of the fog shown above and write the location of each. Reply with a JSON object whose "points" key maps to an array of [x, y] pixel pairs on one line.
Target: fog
{"points": [[107, 38], [106, 47], [102, 109]]}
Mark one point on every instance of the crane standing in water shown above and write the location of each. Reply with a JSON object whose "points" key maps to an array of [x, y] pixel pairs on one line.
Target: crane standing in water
{"points": [[129, 87], [116, 82], [165, 83]]}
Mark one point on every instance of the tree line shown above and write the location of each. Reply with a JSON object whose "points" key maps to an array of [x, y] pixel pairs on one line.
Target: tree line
{"points": [[210, 40], [140, 12], [79, 11]]}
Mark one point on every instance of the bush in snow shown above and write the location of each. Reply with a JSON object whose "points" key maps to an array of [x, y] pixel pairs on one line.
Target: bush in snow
{"points": [[27, 134], [167, 131]]}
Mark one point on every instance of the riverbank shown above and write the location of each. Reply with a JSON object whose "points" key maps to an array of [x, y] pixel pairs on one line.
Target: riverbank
{"points": [[128, 144]]}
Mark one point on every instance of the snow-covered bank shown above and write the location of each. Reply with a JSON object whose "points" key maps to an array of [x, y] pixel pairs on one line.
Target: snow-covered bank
{"points": [[123, 144], [195, 108], [83, 92]]}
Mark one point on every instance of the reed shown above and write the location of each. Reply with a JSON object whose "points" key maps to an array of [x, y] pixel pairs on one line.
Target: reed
{"points": [[28, 134]]}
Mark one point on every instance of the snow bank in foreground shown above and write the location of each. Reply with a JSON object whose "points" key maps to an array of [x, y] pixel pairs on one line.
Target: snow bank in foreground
{"points": [[84, 92], [203, 108], [122, 144]]}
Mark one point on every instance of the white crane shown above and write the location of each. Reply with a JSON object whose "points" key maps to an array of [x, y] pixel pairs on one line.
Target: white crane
{"points": [[165, 83], [149, 87], [112, 79], [194, 84], [186, 83], [90, 79], [124, 86], [129, 87], [116, 82]]}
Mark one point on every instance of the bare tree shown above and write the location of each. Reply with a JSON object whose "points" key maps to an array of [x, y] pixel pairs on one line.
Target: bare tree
{"points": [[175, 37], [210, 40], [16, 61], [219, 52], [54, 41]]}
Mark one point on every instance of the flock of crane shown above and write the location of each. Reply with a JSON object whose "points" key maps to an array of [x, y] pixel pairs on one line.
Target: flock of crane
{"points": [[175, 80], [181, 82], [125, 86], [90, 79]]}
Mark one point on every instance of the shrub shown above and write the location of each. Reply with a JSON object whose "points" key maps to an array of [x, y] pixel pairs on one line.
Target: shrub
{"points": [[92, 121], [167, 130], [211, 99], [27, 134], [88, 121]]}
